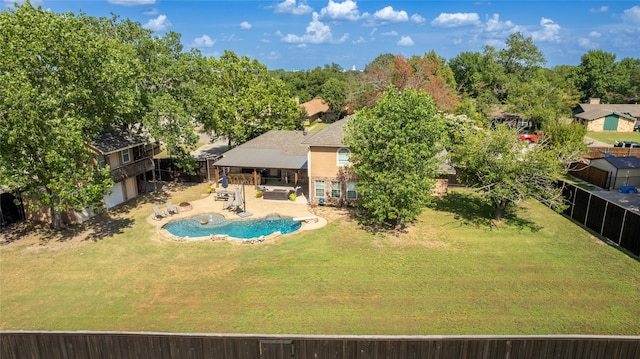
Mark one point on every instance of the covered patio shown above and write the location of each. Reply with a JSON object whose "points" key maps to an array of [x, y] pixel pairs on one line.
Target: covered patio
{"points": [[274, 160]]}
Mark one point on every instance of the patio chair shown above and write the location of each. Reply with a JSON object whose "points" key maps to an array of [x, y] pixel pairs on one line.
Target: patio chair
{"points": [[229, 203], [157, 213], [171, 209]]}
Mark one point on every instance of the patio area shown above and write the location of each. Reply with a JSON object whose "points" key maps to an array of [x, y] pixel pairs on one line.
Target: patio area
{"points": [[252, 207]]}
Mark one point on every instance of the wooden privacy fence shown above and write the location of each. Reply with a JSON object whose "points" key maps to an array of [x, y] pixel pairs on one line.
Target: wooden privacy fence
{"points": [[610, 220], [590, 174], [97, 345], [598, 152]]}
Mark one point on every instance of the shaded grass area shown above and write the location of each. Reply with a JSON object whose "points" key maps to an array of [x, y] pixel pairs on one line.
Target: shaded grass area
{"points": [[611, 137], [451, 273]]}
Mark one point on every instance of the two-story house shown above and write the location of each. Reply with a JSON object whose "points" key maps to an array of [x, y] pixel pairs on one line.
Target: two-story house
{"points": [[129, 158], [329, 169]]}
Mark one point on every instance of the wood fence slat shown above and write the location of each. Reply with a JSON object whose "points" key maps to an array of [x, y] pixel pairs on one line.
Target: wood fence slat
{"points": [[66, 345]]}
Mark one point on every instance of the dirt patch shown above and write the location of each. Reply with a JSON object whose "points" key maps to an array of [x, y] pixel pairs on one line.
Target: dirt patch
{"points": [[331, 213]]}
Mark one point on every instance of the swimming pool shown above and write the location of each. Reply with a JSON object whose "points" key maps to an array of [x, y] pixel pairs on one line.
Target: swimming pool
{"points": [[208, 224]]}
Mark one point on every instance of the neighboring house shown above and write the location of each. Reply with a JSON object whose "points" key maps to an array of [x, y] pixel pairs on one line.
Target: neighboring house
{"points": [[330, 179], [607, 117], [317, 110], [277, 155], [512, 120], [622, 171], [127, 155]]}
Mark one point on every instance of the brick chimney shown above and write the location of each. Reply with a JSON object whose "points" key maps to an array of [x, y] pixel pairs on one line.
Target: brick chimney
{"points": [[594, 101]]}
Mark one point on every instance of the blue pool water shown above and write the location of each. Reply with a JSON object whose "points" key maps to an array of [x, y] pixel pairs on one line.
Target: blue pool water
{"points": [[245, 228]]}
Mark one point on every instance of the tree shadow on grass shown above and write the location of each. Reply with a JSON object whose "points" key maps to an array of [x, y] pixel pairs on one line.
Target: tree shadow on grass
{"points": [[470, 208], [106, 224]]}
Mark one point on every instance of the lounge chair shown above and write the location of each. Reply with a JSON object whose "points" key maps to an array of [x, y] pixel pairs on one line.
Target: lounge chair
{"points": [[171, 209], [157, 213]]}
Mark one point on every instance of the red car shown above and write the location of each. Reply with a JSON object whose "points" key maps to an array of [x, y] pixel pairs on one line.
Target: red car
{"points": [[529, 136]]}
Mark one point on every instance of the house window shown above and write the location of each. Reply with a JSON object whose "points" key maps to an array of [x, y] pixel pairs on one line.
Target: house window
{"points": [[102, 162], [126, 156], [343, 157], [336, 189], [352, 193], [319, 186]]}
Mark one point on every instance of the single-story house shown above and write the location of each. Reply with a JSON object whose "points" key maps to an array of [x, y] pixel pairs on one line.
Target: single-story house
{"points": [[622, 171], [317, 110], [607, 117]]}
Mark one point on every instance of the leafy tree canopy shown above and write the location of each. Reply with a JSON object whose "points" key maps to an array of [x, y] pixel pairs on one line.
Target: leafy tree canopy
{"points": [[244, 101], [507, 170], [61, 82], [394, 149]]}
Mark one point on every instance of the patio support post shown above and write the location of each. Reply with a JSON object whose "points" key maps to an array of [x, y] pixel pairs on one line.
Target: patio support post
{"points": [[255, 178], [215, 175], [295, 178]]}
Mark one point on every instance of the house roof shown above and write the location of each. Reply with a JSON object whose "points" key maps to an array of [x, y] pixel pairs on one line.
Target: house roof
{"points": [[589, 111], [115, 140], [600, 113], [330, 136], [315, 107], [625, 162], [274, 149]]}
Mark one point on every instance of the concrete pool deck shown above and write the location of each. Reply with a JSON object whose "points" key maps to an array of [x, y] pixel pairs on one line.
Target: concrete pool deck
{"points": [[258, 207]]}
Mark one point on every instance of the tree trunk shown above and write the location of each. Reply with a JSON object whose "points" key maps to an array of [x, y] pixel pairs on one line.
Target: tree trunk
{"points": [[499, 209], [56, 218]]}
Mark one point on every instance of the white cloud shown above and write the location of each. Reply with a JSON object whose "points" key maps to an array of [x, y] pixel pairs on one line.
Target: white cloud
{"points": [[494, 25], [245, 25], [203, 41], [549, 32], [132, 2], [595, 34], [388, 15], [405, 41], [599, 9], [360, 40], [418, 19], [456, 20], [586, 43], [632, 15], [347, 10], [389, 33], [158, 24], [151, 12], [290, 7], [316, 33]]}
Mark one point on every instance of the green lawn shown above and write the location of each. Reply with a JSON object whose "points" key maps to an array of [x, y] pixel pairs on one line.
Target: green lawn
{"points": [[611, 137], [539, 273]]}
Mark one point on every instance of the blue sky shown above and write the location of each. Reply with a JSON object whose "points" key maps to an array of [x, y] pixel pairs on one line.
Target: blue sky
{"points": [[299, 35]]}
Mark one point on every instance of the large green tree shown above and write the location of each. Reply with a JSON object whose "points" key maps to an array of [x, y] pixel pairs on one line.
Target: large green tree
{"points": [[394, 147], [61, 82], [597, 75], [242, 100], [507, 170], [335, 94]]}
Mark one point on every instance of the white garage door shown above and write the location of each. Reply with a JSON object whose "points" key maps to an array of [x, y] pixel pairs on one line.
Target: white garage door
{"points": [[116, 197]]}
